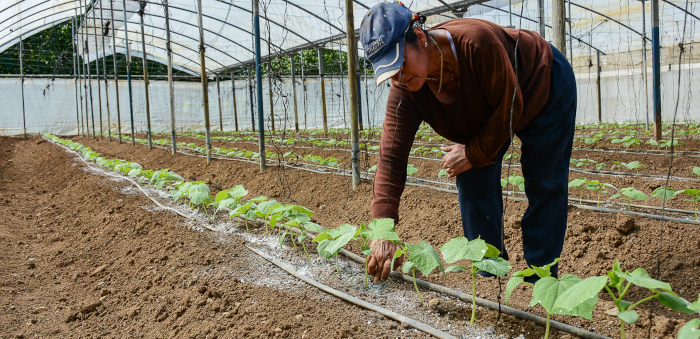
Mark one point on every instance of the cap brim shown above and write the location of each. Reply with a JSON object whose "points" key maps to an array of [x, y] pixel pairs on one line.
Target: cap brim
{"points": [[389, 64]]}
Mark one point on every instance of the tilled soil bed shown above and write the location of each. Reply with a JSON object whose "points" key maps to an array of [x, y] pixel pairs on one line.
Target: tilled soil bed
{"points": [[152, 257]]}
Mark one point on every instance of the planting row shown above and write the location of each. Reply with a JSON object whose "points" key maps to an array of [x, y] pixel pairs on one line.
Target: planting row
{"points": [[570, 295]]}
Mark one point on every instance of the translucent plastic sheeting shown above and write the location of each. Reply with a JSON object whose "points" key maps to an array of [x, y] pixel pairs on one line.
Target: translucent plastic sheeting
{"points": [[51, 105]]}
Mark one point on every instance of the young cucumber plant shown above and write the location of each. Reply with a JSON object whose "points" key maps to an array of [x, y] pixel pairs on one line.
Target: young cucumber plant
{"points": [[694, 194], [422, 257], [264, 209], [690, 330], [639, 277], [247, 210], [597, 186], [570, 295], [665, 193], [696, 171], [579, 183], [628, 194], [378, 230], [481, 256], [197, 192], [331, 241], [632, 166]]}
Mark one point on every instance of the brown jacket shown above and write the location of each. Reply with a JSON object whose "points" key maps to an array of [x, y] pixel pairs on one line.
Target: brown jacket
{"points": [[480, 116]]}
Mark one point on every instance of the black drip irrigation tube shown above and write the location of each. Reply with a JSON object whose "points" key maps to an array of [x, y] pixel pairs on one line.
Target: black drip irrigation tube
{"points": [[430, 286]]}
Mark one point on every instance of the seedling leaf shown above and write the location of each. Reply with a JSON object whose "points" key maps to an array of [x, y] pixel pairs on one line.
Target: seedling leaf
{"points": [[675, 303], [494, 265], [629, 317], [381, 229], [511, 285], [425, 257], [578, 294], [641, 278], [690, 330]]}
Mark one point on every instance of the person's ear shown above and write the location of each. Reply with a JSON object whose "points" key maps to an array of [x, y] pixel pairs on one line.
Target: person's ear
{"points": [[421, 38]]}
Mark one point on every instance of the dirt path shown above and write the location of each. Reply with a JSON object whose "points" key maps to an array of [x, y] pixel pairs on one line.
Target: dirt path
{"points": [[83, 256]]}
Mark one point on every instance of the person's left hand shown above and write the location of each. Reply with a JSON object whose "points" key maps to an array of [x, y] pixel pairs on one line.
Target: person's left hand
{"points": [[455, 161]]}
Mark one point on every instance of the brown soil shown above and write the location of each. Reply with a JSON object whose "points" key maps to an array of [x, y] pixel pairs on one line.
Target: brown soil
{"points": [[594, 240], [79, 258]]}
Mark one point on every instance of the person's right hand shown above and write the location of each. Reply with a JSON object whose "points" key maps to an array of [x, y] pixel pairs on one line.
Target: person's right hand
{"points": [[379, 262]]}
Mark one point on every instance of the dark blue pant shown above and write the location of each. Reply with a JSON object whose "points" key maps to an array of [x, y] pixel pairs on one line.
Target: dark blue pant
{"points": [[545, 154]]}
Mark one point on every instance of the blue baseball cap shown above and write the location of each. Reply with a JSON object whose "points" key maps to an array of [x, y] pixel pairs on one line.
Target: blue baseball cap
{"points": [[382, 36]]}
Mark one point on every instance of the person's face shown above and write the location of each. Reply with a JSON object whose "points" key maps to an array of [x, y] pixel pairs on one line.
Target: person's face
{"points": [[415, 65]]}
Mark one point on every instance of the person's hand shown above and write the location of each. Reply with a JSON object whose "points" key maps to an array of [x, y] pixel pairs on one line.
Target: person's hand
{"points": [[455, 161], [379, 262]]}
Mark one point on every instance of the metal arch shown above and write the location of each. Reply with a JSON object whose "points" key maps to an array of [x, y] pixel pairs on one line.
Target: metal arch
{"points": [[272, 21], [29, 33], [314, 15], [361, 4], [609, 18], [158, 47], [33, 14], [674, 5], [38, 4], [533, 20], [215, 19]]}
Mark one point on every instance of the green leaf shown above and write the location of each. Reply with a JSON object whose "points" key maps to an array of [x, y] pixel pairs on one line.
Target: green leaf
{"points": [[546, 292], [323, 236], [341, 241], [411, 170], [397, 254], [690, 330], [407, 266], [342, 230], [695, 306], [425, 257], [544, 271], [675, 303], [322, 249], [494, 265], [455, 250], [491, 251], [237, 192], [641, 278], [584, 310], [476, 250], [696, 171], [221, 196], [314, 227], [578, 294], [381, 229], [511, 285], [629, 317], [524, 273]]}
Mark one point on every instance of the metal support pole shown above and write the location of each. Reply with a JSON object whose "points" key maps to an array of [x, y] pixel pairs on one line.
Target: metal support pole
{"points": [[233, 92], [600, 105], [116, 74], [218, 93], [571, 45], [128, 74], [303, 88], [258, 83], [354, 102], [323, 91], [79, 63], [510, 14], [75, 72], [558, 25], [83, 82], [364, 64], [21, 79], [145, 81], [171, 87], [644, 64], [656, 67], [97, 66], [294, 92], [252, 107], [540, 17], [269, 91], [104, 74], [359, 89], [86, 47], [205, 87]]}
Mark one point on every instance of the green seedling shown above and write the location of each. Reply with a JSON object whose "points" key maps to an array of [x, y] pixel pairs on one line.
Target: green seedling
{"points": [[517, 181], [628, 194], [669, 143], [632, 166], [585, 163], [600, 166], [568, 296], [481, 256], [372, 169], [690, 330], [639, 277], [694, 198], [422, 257], [411, 170], [696, 171], [579, 183], [664, 193], [627, 141], [247, 210], [378, 230], [593, 141], [443, 173], [599, 187], [264, 210], [230, 198], [331, 241]]}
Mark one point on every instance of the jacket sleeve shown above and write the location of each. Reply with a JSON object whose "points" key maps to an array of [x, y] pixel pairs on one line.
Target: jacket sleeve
{"points": [[401, 123], [497, 78]]}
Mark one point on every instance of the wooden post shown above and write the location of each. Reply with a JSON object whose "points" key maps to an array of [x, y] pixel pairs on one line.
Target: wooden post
{"points": [[644, 64], [205, 90], [104, 74], [252, 108], [128, 74], [352, 82], [558, 25], [294, 93], [258, 83], [540, 16], [89, 78], [145, 81], [323, 92], [21, 80], [218, 94], [171, 87], [97, 66], [116, 76], [233, 91], [656, 67], [269, 92]]}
